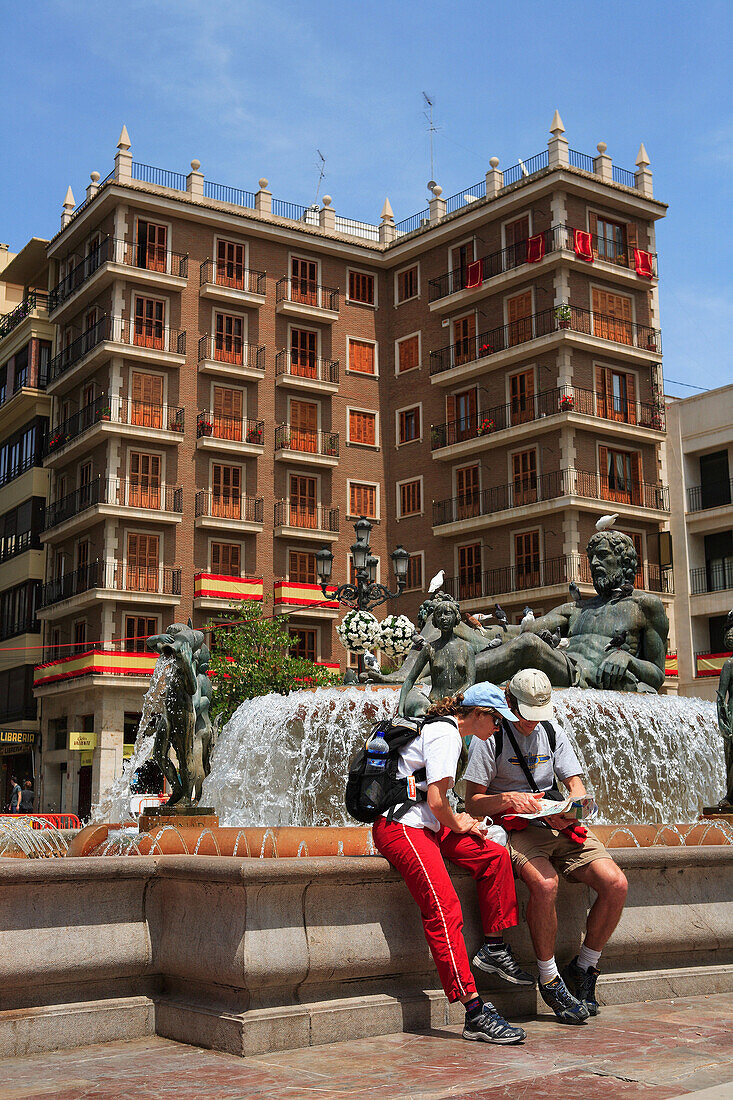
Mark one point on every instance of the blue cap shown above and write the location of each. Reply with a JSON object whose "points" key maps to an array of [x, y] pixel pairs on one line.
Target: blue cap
{"points": [[488, 695]]}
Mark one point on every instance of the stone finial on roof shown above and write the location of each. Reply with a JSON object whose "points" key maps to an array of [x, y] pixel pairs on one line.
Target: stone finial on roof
{"points": [[643, 174], [557, 127], [387, 212], [69, 201], [67, 207], [327, 200], [195, 165], [124, 142], [642, 160]]}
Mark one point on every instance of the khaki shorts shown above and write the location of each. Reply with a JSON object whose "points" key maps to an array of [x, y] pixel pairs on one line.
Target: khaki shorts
{"points": [[565, 855]]}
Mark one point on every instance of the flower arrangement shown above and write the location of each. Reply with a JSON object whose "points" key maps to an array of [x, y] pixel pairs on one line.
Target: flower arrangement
{"points": [[567, 402], [487, 426], [177, 422], [56, 440], [563, 315], [395, 635], [657, 421], [104, 413], [254, 435], [358, 631], [204, 427], [486, 349]]}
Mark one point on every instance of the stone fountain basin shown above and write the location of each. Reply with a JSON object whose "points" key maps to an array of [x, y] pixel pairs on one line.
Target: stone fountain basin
{"points": [[289, 841]]}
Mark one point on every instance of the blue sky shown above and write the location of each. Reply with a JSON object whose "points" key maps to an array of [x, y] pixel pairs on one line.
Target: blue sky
{"points": [[253, 88]]}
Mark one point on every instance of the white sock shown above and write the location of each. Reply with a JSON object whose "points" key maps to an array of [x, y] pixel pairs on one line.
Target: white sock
{"points": [[588, 958], [547, 969]]}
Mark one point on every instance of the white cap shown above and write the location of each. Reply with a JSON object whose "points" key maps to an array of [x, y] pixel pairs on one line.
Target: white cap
{"points": [[533, 691]]}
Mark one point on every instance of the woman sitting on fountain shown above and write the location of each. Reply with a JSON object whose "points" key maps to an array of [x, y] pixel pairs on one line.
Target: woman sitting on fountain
{"points": [[451, 659], [430, 832]]}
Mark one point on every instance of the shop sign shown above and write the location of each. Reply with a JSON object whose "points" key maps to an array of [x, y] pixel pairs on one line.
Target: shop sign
{"points": [[127, 751], [85, 759], [15, 741], [82, 742]]}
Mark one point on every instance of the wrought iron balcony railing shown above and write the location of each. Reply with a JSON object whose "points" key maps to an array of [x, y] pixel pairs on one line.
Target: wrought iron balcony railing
{"points": [[232, 275], [310, 517], [116, 410], [155, 335], [563, 399], [229, 504], [148, 257], [131, 493], [34, 300], [233, 428], [232, 351], [112, 575], [549, 486], [288, 438], [303, 365], [541, 573], [715, 576], [305, 292], [714, 494], [602, 326]]}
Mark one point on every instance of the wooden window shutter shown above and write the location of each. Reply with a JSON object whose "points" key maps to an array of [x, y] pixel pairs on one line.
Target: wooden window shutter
{"points": [[631, 398], [601, 400], [632, 240], [450, 408], [603, 471], [637, 489], [361, 356], [407, 353], [593, 230], [639, 578]]}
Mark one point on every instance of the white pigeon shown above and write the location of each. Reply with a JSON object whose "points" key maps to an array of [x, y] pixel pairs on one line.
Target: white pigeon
{"points": [[605, 522], [436, 582], [527, 619], [370, 660]]}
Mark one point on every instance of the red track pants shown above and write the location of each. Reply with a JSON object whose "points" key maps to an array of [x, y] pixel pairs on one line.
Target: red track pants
{"points": [[418, 855]]}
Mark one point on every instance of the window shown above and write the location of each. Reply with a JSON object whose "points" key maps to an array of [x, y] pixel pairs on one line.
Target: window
{"points": [[715, 484], [85, 482], [304, 281], [469, 571], [519, 318], [21, 369], [620, 475], [527, 559], [524, 477], [521, 387], [362, 427], [149, 322], [303, 496], [57, 732], [410, 497], [515, 239], [408, 353], [143, 558], [414, 572], [304, 426], [137, 629], [304, 643], [362, 356], [407, 284], [408, 425], [467, 492], [361, 288], [464, 339], [610, 241], [226, 558], [227, 413], [226, 500], [461, 415], [230, 264], [147, 399], [152, 244], [616, 395], [144, 487], [302, 567], [303, 353], [228, 339], [460, 257], [612, 316], [362, 500]]}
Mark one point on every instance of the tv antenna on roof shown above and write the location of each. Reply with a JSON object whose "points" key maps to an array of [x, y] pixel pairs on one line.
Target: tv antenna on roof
{"points": [[432, 130], [321, 165]]}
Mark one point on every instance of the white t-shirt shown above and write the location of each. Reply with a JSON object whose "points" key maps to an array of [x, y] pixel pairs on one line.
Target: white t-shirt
{"points": [[438, 750]]}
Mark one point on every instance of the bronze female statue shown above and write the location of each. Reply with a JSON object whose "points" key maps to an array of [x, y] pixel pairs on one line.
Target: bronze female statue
{"points": [[451, 660]]}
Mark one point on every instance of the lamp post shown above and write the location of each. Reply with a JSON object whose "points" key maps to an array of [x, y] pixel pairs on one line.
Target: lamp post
{"points": [[365, 593]]}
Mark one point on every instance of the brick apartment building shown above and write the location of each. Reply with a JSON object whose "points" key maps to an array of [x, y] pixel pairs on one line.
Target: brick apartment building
{"points": [[236, 379]]}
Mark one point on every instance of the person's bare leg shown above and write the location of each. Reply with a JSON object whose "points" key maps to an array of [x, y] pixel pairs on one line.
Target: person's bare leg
{"points": [[540, 878], [609, 882], [525, 651]]}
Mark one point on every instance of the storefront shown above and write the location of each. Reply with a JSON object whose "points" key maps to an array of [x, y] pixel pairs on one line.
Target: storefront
{"points": [[16, 759]]}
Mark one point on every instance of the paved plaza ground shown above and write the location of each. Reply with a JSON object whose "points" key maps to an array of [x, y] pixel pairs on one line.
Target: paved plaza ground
{"points": [[655, 1050]]}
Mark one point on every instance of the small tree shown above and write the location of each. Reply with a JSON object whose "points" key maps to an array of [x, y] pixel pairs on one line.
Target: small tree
{"points": [[252, 656]]}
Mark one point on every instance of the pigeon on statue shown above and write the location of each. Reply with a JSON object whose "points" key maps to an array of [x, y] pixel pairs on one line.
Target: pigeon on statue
{"points": [[625, 590], [501, 617], [436, 582], [418, 642], [617, 640], [495, 642], [527, 619], [605, 522], [575, 592], [550, 638], [370, 660]]}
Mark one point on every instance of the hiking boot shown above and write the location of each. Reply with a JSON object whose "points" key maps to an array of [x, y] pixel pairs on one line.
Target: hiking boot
{"points": [[499, 960], [582, 984], [566, 1007], [489, 1027]]}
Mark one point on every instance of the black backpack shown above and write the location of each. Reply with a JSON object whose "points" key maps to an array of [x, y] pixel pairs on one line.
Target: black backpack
{"points": [[370, 796]]}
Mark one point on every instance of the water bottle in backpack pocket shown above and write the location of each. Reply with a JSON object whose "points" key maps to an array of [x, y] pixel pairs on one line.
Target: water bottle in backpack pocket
{"points": [[372, 787]]}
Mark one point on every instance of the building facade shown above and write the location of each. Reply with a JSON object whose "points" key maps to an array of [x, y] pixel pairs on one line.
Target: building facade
{"points": [[700, 454], [236, 379]]}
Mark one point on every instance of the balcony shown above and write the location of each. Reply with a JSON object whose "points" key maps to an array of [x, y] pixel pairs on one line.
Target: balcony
{"points": [[34, 304], [314, 522], [301, 371], [303, 298], [292, 596], [231, 356], [155, 265], [212, 591], [467, 358], [115, 580], [106, 660], [149, 341], [567, 401], [715, 576], [230, 433], [13, 628], [534, 492], [709, 664], [507, 580], [719, 494], [516, 258], [136, 419], [115, 496], [300, 445], [232, 282], [229, 511]]}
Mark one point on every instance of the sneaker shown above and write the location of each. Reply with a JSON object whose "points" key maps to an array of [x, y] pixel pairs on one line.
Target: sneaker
{"points": [[489, 1027], [499, 960], [582, 983], [565, 1006]]}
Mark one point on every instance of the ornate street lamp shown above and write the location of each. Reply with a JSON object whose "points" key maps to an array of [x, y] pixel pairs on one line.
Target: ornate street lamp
{"points": [[365, 593]]}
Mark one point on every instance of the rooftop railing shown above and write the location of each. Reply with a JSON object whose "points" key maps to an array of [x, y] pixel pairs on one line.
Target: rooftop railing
{"points": [[557, 483], [229, 505], [117, 410], [288, 438], [714, 494], [231, 350], [303, 365], [602, 326], [34, 300], [219, 192], [232, 275], [562, 399], [142, 255], [129, 493], [310, 517], [112, 575]]}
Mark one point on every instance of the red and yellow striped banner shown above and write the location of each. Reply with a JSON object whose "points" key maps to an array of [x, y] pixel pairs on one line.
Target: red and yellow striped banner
{"points": [[302, 595], [95, 663], [212, 586], [670, 665], [710, 664]]}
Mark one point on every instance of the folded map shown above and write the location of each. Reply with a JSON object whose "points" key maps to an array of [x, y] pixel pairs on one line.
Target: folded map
{"points": [[582, 809]]}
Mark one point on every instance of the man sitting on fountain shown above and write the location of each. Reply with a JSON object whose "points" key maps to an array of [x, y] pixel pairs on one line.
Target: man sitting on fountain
{"points": [[617, 639], [497, 785]]}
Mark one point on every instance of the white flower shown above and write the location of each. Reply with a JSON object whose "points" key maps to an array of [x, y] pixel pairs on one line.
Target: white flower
{"points": [[358, 630], [395, 635]]}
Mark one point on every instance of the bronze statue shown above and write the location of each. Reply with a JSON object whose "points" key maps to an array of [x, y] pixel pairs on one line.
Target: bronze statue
{"points": [[451, 660], [183, 725], [724, 700]]}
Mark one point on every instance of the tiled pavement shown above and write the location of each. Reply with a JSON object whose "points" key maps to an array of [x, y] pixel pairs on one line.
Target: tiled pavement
{"points": [[654, 1051]]}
